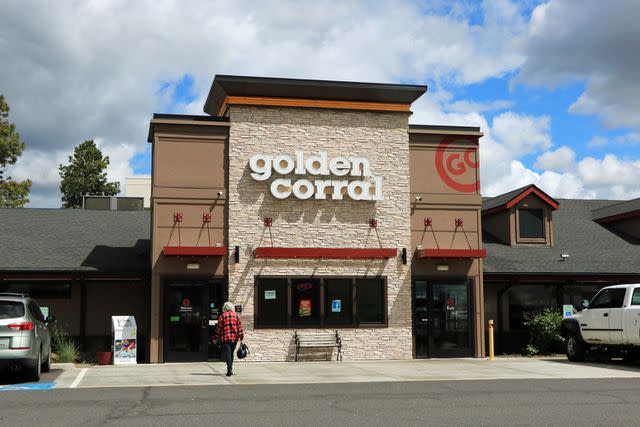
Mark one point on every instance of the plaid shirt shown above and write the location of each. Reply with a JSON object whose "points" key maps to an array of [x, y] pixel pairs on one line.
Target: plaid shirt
{"points": [[229, 327]]}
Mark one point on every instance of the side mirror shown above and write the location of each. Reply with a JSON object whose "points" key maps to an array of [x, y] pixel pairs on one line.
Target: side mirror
{"points": [[585, 303], [50, 320]]}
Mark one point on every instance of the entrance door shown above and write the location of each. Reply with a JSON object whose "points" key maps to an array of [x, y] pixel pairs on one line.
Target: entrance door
{"points": [[441, 319], [191, 311]]}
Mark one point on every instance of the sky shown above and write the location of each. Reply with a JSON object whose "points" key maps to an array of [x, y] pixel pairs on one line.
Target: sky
{"points": [[553, 85]]}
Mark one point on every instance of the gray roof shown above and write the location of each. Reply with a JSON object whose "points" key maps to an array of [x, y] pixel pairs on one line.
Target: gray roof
{"points": [[592, 248], [617, 209], [114, 242]]}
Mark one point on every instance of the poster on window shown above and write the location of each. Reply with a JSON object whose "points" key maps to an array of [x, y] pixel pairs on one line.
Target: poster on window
{"points": [[304, 307]]}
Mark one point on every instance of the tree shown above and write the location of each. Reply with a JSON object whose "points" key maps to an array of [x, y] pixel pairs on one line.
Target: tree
{"points": [[85, 175], [13, 194]]}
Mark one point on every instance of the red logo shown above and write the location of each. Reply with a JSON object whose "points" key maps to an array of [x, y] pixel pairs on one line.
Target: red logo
{"points": [[451, 165], [304, 286], [186, 302]]}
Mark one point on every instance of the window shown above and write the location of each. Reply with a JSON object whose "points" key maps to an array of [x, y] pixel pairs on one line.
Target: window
{"points": [[39, 290], [609, 298], [272, 302], [319, 302], [635, 299], [305, 302], [338, 302], [370, 301], [531, 224], [11, 309]]}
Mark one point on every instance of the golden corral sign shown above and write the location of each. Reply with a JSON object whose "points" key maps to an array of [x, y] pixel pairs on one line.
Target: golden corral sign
{"points": [[368, 187]]}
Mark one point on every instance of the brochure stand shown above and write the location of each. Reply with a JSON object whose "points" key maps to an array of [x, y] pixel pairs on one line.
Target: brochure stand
{"points": [[124, 331]]}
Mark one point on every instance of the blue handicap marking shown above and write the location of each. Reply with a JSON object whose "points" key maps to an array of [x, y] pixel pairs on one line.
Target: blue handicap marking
{"points": [[33, 386]]}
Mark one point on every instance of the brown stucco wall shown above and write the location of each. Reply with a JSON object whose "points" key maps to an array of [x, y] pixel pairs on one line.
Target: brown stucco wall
{"points": [[189, 175]]}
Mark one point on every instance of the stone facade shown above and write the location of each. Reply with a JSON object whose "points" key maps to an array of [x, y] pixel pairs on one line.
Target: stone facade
{"points": [[379, 136]]}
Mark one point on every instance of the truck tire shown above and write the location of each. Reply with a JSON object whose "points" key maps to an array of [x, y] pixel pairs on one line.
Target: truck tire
{"points": [[631, 356], [576, 348]]}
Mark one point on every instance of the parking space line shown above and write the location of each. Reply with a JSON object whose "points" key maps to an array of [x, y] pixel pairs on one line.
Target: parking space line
{"points": [[81, 375]]}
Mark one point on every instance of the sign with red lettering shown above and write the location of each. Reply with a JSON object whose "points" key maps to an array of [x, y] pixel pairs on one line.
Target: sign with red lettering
{"points": [[451, 166]]}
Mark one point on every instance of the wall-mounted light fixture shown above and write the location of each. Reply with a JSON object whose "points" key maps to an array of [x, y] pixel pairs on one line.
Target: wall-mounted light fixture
{"points": [[193, 266], [564, 257], [442, 267], [404, 256], [236, 254], [418, 198]]}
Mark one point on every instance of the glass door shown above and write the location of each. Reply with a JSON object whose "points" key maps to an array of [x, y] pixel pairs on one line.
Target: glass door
{"points": [[186, 322], [442, 321]]}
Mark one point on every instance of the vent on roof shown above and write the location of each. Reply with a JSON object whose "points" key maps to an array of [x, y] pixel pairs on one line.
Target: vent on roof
{"points": [[109, 203]]}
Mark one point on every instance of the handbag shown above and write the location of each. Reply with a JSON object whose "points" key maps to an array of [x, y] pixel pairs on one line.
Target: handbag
{"points": [[243, 351]]}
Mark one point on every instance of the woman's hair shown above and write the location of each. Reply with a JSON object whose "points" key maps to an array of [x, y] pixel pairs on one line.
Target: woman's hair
{"points": [[227, 306]]}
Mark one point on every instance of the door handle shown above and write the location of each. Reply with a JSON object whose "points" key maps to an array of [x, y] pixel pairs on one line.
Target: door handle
{"points": [[606, 315]]}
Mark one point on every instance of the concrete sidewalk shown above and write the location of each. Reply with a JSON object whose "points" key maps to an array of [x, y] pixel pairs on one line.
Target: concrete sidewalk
{"points": [[213, 373]]}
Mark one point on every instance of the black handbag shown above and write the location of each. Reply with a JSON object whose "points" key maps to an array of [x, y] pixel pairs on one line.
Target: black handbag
{"points": [[243, 351]]}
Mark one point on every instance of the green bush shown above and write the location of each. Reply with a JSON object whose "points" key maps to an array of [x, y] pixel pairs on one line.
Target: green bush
{"points": [[63, 346], [543, 331]]}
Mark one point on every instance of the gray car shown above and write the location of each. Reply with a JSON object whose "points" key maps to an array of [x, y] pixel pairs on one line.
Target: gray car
{"points": [[25, 339]]}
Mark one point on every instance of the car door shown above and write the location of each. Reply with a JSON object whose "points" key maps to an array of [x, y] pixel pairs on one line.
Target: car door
{"points": [[631, 319], [616, 314], [594, 323]]}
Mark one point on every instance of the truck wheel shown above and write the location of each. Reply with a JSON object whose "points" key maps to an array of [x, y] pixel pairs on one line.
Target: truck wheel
{"points": [[631, 356], [576, 349]]}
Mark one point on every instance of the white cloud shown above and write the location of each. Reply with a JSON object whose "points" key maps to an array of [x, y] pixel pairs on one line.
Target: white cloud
{"points": [[561, 160], [83, 70], [594, 42]]}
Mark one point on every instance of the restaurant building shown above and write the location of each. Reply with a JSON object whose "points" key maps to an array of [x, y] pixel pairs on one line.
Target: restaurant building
{"points": [[314, 205]]}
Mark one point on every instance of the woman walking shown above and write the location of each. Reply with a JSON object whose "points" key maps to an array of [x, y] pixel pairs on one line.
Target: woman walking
{"points": [[229, 331]]}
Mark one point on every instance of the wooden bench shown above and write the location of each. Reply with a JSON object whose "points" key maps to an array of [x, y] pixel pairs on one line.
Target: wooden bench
{"points": [[318, 340]]}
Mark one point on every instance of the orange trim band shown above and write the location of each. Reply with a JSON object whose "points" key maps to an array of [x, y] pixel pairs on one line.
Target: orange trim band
{"points": [[313, 103]]}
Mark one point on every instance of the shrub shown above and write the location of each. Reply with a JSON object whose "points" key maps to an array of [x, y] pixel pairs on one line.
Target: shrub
{"points": [[543, 331], [63, 346]]}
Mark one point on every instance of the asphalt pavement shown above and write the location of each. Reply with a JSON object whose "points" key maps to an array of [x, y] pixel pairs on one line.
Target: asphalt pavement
{"points": [[515, 402]]}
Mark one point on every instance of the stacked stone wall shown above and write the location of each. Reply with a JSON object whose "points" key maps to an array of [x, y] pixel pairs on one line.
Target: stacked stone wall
{"points": [[379, 136]]}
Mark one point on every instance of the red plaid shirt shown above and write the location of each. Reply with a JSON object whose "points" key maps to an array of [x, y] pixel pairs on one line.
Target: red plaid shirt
{"points": [[229, 327]]}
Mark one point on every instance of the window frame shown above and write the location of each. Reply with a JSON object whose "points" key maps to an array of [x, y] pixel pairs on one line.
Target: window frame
{"points": [[323, 323], [545, 234], [609, 292]]}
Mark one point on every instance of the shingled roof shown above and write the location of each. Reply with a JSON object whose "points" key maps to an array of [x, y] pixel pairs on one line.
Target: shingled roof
{"points": [[507, 200], [617, 210], [74, 240], [592, 248]]}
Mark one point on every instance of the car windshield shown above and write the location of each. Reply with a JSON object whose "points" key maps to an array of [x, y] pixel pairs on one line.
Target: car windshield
{"points": [[11, 309]]}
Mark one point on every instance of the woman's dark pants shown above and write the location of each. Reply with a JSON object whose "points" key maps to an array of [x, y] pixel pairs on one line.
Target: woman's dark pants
{"points": [[228, 349]]}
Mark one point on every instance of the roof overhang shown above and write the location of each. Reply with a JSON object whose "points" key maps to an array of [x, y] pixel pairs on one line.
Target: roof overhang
{"points": [[618, 217], [212, 251], [451, 253], [241, 90], [326, 253]]}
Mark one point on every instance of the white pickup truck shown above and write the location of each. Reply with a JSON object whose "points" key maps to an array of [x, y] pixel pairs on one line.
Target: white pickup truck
{"points": [[610, 323]]}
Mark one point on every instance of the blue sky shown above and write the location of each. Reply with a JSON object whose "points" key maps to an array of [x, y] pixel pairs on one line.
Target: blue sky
{"points": [[552, 86]]}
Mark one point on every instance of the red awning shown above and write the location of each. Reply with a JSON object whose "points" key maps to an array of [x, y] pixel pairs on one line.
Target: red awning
{"points": [[451, 253], [195, 250], [326, 253]]}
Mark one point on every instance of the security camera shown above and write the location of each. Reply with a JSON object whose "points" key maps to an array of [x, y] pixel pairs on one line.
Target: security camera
{"points": [[219, 193], [418, 198]]}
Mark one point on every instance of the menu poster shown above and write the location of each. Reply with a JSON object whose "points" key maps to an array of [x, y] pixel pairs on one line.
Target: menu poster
{"points": [[304, 307]]}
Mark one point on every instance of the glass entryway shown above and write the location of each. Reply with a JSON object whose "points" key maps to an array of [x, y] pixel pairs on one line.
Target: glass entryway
{"points": [[442, 318], [191, 310]]}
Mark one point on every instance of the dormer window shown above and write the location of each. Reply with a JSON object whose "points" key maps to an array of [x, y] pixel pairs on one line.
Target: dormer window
{"points": [[531, 224]]}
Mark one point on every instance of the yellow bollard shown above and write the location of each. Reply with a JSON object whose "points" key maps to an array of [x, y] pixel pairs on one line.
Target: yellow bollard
{"points": [[491, 340]]}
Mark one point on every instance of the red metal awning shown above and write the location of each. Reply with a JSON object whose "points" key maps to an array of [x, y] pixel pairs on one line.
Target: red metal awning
{"points": [[451, 253], [326, 253], [195, 251]]}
